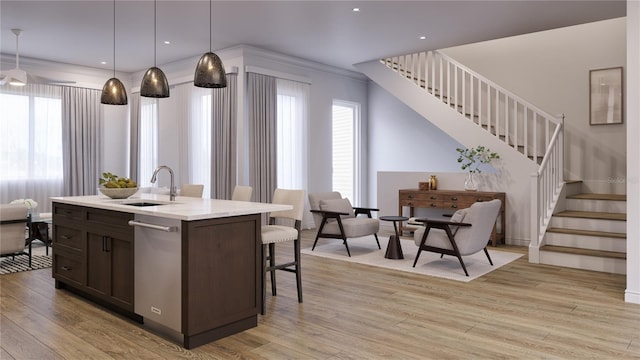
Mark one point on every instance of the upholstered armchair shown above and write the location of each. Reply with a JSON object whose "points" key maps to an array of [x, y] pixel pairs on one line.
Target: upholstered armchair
{"points": [[336, 218], [13, 225], [467, 232]]}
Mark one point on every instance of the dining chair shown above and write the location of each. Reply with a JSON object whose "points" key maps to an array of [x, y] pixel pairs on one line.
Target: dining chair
{"points": [[192, 190], [242, 193], [283, 226]]}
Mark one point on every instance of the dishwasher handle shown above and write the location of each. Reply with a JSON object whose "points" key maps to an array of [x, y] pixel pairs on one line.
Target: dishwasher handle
{"points": [[153, 226]]}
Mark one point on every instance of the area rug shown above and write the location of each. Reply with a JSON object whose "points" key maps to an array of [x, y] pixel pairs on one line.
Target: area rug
{"points": [[365, 251], [21, 263]]}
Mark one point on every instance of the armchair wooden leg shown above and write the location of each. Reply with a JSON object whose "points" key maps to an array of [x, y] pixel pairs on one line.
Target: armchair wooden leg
{"points": [[462, 263], [347, 246], [378, 242], [486, 252]]}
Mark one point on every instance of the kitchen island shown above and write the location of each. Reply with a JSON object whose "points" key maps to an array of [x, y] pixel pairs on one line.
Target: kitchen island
{"points": [[189, 269]]}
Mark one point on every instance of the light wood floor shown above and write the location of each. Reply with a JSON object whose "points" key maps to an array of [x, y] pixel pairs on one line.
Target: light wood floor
{"points": [[353, 311]]}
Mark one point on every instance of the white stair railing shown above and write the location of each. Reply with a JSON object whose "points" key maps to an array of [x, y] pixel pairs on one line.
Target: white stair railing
{"points": [[521, 125]]}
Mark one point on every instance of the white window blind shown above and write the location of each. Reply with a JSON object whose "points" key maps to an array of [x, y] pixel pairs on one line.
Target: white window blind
{"points": [[344, 141]]}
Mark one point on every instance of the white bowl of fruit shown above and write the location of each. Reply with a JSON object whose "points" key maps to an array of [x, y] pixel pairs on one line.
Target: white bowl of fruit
{"points": [[117, 187]]}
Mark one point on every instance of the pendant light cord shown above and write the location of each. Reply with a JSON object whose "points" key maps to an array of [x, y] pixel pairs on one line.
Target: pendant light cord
{"points": [[154, 33], [114, 38], [209, 25]]}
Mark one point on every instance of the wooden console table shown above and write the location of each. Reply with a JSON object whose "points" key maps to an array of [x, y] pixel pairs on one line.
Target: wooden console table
{"points": [[451, 200]]}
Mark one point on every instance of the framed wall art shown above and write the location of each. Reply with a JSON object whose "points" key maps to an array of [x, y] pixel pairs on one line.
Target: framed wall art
{"points": [[605, 96]]}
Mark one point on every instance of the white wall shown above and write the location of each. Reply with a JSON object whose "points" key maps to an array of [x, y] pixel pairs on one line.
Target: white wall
{"points": [[632, 293], [551, 70]]}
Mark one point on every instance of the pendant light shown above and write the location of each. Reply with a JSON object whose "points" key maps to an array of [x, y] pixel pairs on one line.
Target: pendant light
{"points": [[113, 91], [154, 83], [210, 70]]}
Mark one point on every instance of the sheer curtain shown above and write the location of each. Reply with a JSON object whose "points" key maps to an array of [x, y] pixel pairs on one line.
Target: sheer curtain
{"points": [[147, 140], [31, 144], [81, 136], [291, 138], [293, 104], [262, 112]]}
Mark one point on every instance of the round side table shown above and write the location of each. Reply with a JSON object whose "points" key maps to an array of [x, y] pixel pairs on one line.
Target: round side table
{"points": [[394, 248]]}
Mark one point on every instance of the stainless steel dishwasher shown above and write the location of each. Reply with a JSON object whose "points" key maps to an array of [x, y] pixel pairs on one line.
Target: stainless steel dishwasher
{"points": [[158, 271]]}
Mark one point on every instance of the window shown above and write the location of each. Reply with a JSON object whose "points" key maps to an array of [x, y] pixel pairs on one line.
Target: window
{"points": [[31, 137], [345, 122], [31, 164], [148, 140], [292, 104]]}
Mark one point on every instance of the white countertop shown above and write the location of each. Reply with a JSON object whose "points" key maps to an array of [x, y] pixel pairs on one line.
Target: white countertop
{"points": [[183, 208]]}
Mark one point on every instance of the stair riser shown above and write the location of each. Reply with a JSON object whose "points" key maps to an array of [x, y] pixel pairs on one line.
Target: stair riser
{"points": [[586, 242], [608, 265], [589, 224], [597, 205]]}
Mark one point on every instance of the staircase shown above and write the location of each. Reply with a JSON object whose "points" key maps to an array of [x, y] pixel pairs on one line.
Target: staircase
{"points": [[589, 234]]}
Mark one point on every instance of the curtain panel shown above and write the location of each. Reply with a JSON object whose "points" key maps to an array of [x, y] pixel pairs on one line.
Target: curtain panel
{"points": [[82, 141], [223, 136], [262, 115], [134, 133]]}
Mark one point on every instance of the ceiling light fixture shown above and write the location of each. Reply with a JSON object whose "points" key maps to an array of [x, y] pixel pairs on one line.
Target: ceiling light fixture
{"points": [[113, 91], [423, 37], [356, 9], [154, 83], [210, 70]]}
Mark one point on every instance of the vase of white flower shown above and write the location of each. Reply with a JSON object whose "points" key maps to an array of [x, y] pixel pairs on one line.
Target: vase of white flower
{"points": [[469, 183], [470, 161]]}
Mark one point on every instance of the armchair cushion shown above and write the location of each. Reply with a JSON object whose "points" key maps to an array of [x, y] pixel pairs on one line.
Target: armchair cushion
{"points": [[338, 205], [353, 227], [457, 217]]}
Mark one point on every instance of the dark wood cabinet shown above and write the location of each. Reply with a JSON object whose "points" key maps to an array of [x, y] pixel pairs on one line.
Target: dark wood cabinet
{"points": [[93, 253], [452, 200], [218, 263]]}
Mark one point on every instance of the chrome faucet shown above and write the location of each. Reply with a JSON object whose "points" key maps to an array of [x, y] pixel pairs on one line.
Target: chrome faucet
{"points": [[172, 190]]}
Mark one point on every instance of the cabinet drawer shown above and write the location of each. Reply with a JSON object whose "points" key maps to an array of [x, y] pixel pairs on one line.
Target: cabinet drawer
{"points": [[421, 196], [68, 211], [68, 268], [113, 220], [68, 237]]}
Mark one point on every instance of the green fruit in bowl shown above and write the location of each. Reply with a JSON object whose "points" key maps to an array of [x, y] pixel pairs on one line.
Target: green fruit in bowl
{"points": [[112, 181]]}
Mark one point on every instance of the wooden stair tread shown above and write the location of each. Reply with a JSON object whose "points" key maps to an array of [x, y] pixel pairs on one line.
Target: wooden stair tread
{"points": [[592, 215], [587, 232], [613, 197], [587, 252]]}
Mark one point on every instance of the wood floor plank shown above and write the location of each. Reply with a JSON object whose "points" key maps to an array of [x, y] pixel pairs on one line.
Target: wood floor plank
{"points": [[354, 311]]}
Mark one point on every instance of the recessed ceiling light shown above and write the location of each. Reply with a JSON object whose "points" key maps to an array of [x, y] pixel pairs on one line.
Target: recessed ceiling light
{"points": [[103, 62], [167, 42], [355, 9], [423, 37]]}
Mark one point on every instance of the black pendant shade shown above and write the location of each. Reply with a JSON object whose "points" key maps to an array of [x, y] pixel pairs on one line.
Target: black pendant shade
{"points": [[154, 84], [210, 72], [113, 93]]}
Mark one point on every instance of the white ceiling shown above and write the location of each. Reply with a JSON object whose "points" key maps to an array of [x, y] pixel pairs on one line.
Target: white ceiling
{"points": [[328, 32]]}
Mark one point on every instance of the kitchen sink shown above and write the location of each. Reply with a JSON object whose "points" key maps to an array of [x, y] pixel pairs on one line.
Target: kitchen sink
{"points": [[144, 203]]}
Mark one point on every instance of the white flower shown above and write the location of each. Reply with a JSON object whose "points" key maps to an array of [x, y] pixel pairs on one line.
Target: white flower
{"points": [[30, 203]]}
